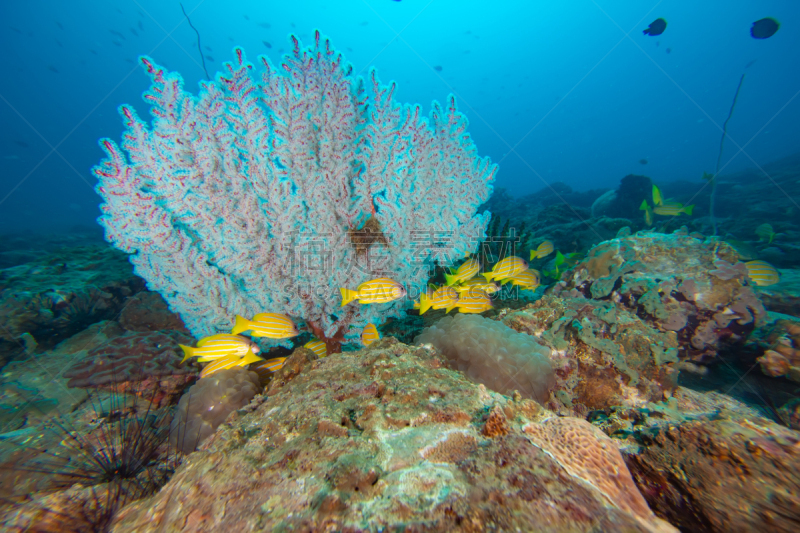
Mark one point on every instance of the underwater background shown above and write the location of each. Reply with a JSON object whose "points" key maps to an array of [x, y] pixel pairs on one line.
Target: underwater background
{"points": [[245, 284]]}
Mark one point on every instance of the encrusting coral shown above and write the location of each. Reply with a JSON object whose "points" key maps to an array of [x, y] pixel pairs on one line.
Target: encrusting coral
{"points": [[676, 282], [388, 438]]}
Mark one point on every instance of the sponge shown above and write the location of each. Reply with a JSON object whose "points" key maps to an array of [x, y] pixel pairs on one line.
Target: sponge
{"points": [[491, 353], [208, 403]]}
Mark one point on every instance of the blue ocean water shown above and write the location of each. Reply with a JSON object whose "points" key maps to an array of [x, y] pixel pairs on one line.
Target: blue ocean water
{"points": [[554, 92]]}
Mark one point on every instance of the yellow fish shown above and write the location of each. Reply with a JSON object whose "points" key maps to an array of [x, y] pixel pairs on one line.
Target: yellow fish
{"points": [[657, 198], [648, 213], [276, 319], [369, 334], [442, 298], [477, 284], [229, 361], [318, 347], [265, 368], [506, 268], [474, 303], [467, 270], [218, 346], [527, 279], [374, 291], [544, 249], [762, 273], [274, 329], [673, 209], [765, 233]]}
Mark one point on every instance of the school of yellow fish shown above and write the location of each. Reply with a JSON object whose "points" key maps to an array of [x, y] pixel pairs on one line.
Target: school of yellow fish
{"points": [[466, 290]]}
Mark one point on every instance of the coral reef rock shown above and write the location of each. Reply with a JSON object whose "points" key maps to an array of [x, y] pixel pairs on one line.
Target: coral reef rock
{"points": [[783, 297], [676, 282], [602, 355], [55, 297], [144, 363], [710, 464], [389, 439]]}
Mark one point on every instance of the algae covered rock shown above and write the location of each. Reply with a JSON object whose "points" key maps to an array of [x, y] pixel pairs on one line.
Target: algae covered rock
{"points": [[602, 355], [696, 288], [388, 439]]}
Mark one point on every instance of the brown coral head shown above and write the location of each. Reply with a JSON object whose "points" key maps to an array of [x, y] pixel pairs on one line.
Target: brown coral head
{"points": [[371, 232]]}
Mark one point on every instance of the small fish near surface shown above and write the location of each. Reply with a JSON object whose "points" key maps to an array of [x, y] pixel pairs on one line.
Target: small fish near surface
{"points": [[643, 161], [379, 290], [369, 334], [466, 271], [219, 346], [272, 325], [656, 27], [544, 249], [764, 28], [762, 273]]}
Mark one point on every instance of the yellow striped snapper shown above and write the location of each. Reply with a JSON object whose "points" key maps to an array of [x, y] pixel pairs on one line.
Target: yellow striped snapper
{"points": [[673, 209], [369, 334], [648, 213], [466, 271], [229, 361], [762, 273], [657, 198], [544, 249], [318, 347], [527, 279], [474, 303], [506, 268], [374, 291], [265, 368], [442, 298], [220, 345], [477, 284], [267, 326]]}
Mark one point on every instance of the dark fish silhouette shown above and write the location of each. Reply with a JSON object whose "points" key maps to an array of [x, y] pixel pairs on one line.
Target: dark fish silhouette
{"points": [[51, 68], [60, 27], [117, 43], [246, 17], [59, 43], [750, 63], [437, 68], [208, 48], [764, 28], [656, 27], [364, 23], [265, 25], [643, 161], [141, 26], [669, 50], [209, 57], [118, 34], [133, 31], [267, 44], [21, 143]]}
